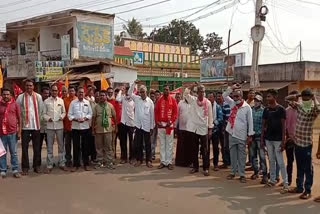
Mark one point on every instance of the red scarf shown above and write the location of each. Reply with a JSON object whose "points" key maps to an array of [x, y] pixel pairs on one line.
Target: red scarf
{"points": [[26, 105], [5, 123], [233, 114], [166, 111], [204, 104]]}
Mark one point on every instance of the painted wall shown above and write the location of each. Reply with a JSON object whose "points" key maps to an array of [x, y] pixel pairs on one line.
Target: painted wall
{"points": [[123, 75]]}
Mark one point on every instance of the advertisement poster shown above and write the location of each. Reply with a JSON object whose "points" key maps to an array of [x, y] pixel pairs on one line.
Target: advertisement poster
{"points": [[48, 70], [216, 69], [95, 40]]}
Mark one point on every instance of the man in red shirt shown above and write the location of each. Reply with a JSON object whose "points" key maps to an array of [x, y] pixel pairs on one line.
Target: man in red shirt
{"points": [[10, 130], [117, 106], [165, 114]]}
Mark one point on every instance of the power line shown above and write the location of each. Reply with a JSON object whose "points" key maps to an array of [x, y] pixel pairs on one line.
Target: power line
{"points": [[14, 3], [202, 9], [280, 51], [308, 2], [150, 5], [23, 8]]}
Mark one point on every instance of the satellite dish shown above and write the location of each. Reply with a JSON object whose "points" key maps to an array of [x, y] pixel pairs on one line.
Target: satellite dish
{"points": [[257, 33]]}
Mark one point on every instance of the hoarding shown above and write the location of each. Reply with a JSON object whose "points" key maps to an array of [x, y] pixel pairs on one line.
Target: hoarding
{"points": [[48, 70], [216, 69], [95, 40]]}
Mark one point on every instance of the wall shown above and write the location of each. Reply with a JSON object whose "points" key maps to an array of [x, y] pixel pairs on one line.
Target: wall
{"points": [[123, 75], [47, 41], [312, 71], [274, 72], [27, 36]]}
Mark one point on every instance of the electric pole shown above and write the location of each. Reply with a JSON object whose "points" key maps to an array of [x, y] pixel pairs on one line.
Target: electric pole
{"points": [[300, 48], [254, 81]]}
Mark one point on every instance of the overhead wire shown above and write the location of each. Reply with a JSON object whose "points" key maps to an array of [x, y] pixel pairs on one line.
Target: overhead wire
{"points": [[14, 3], [30, 6]]}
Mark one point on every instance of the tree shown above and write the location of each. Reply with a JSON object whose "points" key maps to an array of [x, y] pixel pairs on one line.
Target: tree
{"points": [[190, 35], [117, 38], [134, 29], [212, 45]]}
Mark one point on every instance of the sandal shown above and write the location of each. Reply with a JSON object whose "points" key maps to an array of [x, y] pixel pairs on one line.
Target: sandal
{"points": [[317, 199], [231, 177], [193, 171], [295, 191], [149, 164], [269, 184], [254, 177], [305, 196], [284, 190], [137, 164], [243, 180]]}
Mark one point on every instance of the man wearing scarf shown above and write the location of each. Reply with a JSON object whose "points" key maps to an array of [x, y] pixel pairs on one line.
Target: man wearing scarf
{"points": [[31, 106], [126, 127], [9, 132], [165, 114], [308, 112], [240, 129], [200, 125], [103, 114]]}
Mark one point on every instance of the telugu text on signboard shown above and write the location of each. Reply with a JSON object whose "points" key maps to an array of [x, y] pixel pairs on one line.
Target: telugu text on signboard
{"points": [[48, 70], [95, 40]]}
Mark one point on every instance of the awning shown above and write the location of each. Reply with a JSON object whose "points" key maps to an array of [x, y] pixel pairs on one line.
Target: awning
{"points": [[264, 86], [92, 76]]}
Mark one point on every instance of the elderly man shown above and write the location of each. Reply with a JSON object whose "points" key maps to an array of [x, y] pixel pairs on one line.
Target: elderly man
{"points": [[308, 112], [102, 129], [166, 111], [80, 113], [240, 129], [126, 127], [144, 122], [200, 125], [9, 132], [54, 113], [31, 106]]}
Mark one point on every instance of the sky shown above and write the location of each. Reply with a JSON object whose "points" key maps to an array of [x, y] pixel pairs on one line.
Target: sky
{"points": [[287, 23]]}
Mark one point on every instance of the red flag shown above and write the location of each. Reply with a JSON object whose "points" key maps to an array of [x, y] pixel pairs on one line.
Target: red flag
{"points": [[85, 88], [60, 84], [16, 90]]}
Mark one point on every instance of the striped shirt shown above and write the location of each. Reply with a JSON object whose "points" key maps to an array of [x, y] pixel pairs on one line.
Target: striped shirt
{"points": [[304, 129]]}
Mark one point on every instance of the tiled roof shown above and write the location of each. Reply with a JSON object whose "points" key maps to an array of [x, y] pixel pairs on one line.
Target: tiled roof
{"points": [[123, 51]]}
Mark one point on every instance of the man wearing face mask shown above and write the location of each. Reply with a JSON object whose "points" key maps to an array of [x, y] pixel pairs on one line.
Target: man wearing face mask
{"points": [[308, 111], [254, 147], [240, 129]]}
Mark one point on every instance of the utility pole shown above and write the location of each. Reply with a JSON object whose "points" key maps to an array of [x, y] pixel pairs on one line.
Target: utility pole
{"points": [[300, 48], [254, 81], [228, 59], [151, 76], [181, 57]]}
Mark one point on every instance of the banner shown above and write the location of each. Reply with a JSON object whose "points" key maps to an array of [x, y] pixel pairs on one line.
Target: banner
{"points": [[65, 47], [217, 69], [95, 40], [48, 70]]}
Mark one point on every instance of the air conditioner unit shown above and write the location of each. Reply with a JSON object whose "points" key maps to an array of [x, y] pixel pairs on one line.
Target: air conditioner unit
{"points": [[185, 75], [74, 53], [177, 74]]}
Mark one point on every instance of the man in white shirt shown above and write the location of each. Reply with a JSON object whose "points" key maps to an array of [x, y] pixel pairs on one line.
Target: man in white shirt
{"points": [[126, 126], [183, 151], [80, 113], [31, 106], [144, 122], [200, 124], [240, 129], [54, 113]]}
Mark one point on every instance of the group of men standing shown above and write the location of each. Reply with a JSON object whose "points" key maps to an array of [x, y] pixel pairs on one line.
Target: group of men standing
{"points": [[91, 123]]}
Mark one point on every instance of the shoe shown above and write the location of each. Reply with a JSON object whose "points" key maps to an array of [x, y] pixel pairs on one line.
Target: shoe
{"points": [[3, 174], [295, 190], [305, 196], [69, 164], [161, 166], [111, 166], [206, 172], [25, 172], [170, 167], [223, 166], [215, 168], [243, 180], [231, 177], [48, 171], [284, 190], [123, 161], [254, 177], [16, 175], [193, 171], [37, 170], [264, 181], [317, 200]]}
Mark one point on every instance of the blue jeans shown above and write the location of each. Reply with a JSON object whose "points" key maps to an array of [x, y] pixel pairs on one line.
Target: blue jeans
{"points": [[255, 150], [275, 156], [11, 142], [304, 168]]}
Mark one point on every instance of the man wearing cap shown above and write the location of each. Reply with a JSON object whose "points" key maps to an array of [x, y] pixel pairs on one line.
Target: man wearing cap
{"points": [[308, 111], [255, 148], [240, 129]]}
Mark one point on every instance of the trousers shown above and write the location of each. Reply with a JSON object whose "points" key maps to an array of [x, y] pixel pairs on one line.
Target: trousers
{"points": [[27, 136], [80, 143], [142, 138], [51, 134], [9, 141], [304, 168], [125, 132], [237, 155], [104, 148], [166, 146], [255, 152], [68, 146], [197, 140]]}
